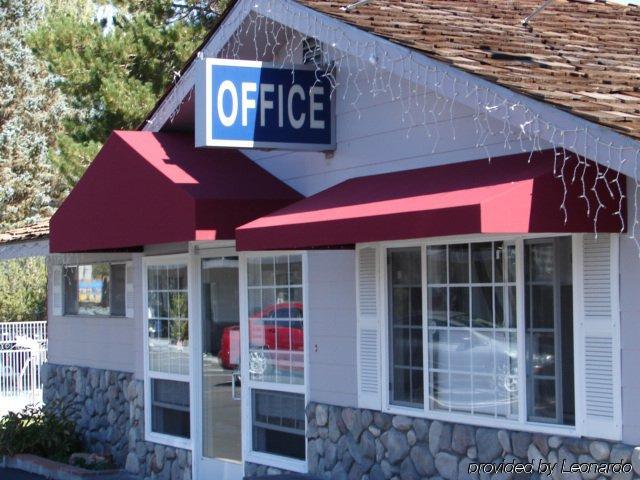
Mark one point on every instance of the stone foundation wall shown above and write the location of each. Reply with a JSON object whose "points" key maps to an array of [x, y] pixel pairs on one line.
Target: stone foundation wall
{"points": [[348, 443], [108, 408]]}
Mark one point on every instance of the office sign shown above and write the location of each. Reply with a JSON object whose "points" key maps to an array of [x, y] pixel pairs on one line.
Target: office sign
{"points": [[247, 104]]}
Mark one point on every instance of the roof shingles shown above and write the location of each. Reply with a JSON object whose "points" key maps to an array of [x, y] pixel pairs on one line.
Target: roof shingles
{"points": [[37, 231], [581, 56]]}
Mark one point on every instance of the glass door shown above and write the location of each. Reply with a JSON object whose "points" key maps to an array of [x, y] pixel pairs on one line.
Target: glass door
{"points": [[220, 381]]}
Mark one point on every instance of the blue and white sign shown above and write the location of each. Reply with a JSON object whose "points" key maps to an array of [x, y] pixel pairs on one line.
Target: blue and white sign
{"points": [[247, 104]]}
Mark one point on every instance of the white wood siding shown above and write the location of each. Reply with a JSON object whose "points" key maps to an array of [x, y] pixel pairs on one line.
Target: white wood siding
{"points": [[99, 342], [630, 332], [373, 138], [332, 327]]}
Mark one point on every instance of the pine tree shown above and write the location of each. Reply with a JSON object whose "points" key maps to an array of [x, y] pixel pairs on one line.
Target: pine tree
{"points": [[113, 69], [30, 112]]}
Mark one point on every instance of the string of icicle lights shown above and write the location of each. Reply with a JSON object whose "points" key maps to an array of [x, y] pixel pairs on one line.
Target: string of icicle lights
{"points": [[428, 94]]}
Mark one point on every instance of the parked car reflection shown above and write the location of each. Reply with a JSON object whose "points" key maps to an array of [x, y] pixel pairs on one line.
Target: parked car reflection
{"points": [[276, 341]]}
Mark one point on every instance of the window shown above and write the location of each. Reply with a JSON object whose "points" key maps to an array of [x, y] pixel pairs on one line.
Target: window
{"points": [[405, 326], [276, 335], [170, 407], [275, 367], [279, 423], [549, 330], [167, 351], [95, 289], [471, 318], [471, 336]]}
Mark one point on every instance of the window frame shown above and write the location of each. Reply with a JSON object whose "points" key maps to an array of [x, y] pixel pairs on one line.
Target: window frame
{"points": [[149, 434], [248, 453], [521, 423], [64, 266]]}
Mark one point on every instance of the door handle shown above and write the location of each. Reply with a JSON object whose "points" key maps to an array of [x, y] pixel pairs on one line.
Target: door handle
{"points": [[235, 376]]}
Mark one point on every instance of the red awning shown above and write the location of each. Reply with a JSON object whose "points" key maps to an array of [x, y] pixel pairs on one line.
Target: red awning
{"points": [[504, 195], [147, 188]]}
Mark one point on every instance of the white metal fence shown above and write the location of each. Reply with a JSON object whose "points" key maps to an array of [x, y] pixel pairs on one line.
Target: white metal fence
{"points": [[23, 350]]}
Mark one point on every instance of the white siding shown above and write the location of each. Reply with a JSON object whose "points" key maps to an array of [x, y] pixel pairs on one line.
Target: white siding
{"points": [[332, 327], [630, 332], [373, 138], [98, 342]]}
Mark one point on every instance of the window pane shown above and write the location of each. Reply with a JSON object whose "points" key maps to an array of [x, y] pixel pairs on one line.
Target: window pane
{"points": [[460, 347], [459, 306], [511, 263], [93, 289], [439, 351], [268, 271], [473, 354], [459, 263], [70, 280], [484, 394], [549, 329], [541, 262], [513, 310], [439, 398], [437, 264], [170, 407], [118, 286], [498, 262], [295, 269], [541, 305], [499, 306], [482, 351], [481, 263], [437, 306], [405, 317], [168, 315], [253, 272], [282, 270], [482, 303], [276, 343], [460, 392], [278, 423], [544, 406], [543, 354]]}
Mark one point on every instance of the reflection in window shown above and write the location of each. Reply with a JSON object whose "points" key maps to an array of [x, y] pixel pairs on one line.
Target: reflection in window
{"points": [[276, 354], [276, 318], [471, 315], [95, 289], [168, 348], [168, 314], [549, 330], [279, 423], [170, 407], [221, 418], [405, 326]]}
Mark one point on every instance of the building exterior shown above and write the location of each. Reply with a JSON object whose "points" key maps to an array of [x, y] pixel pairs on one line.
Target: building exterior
{"points": [[421, 264]]}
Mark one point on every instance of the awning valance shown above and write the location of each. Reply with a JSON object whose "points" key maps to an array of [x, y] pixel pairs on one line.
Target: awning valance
{"points": [[148, 188], [512, 194]]}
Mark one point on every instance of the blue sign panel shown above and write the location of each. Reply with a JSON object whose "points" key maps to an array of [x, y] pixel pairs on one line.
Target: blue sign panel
{"points": [[256, 105]]}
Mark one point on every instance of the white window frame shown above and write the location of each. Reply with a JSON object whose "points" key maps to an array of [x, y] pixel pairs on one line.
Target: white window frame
{"points": [[86, 315], [149, 434], [248, 454], [477, 420]]}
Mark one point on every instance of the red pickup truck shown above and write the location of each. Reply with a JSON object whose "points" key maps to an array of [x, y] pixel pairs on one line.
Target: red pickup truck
{"points": [[275, 329]]}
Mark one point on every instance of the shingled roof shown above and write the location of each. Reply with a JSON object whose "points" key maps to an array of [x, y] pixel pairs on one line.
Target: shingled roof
{"points": [[37, 231], [581, 56]]}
